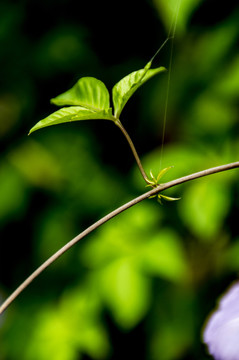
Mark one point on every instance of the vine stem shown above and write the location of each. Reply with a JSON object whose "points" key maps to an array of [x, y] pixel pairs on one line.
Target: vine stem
{"points": [[131, 144], [106, 218]]}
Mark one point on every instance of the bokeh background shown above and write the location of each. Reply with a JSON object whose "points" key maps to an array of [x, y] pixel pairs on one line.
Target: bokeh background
{"points": [[143, 285]]}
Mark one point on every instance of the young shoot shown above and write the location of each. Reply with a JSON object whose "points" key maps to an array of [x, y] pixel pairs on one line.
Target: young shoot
{"points": [[89, 99]]}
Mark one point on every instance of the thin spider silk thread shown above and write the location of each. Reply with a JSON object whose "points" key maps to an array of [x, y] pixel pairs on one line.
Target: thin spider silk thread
{"points": [[172, 30]]}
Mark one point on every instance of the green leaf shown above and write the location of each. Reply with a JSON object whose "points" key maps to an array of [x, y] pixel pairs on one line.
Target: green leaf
{"points": [[168, 198], [170, 9], [126, 291], [164, 256], [72, 113], [126, 87], [162, 172], [88, 92], [205, 208]]}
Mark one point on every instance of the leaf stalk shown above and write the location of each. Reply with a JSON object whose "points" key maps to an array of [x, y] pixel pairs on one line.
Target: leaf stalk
{"points": [[133, 149]]}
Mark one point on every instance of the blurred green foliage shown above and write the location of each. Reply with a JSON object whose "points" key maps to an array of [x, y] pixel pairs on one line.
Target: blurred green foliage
{"points": [[142, 285]]}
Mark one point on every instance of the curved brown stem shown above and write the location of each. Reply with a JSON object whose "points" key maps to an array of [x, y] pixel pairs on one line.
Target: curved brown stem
{"points": [[106, 218]]}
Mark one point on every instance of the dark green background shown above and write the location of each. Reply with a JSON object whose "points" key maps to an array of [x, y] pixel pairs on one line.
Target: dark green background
{"points": [[142, 285]]}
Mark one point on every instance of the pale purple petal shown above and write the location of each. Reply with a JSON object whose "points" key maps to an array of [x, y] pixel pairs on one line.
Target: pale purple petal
{"points": [[221, 333]]}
